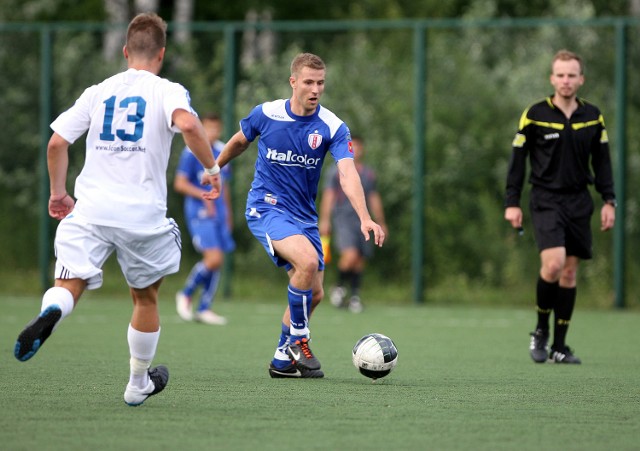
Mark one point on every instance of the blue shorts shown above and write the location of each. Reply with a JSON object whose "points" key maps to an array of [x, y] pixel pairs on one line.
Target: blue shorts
{"points": [[268, 224], [210, 233]]}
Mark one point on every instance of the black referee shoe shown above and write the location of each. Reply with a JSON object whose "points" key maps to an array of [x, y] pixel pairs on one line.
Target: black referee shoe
{"points": [[538, 347], [563, 355]]}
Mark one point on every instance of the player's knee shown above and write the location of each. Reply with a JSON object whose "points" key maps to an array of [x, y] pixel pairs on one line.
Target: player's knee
{"points": [[568, 277], [308, 266], [213, 263], [553, 268]]}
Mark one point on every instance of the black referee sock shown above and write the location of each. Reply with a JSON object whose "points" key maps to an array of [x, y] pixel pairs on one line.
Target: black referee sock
{"points": [[546, 299], [343, 276], [563, 311], [356, 280]]}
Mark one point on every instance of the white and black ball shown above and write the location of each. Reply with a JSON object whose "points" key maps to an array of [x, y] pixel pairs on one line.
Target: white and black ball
{"points": [[375, 355]]}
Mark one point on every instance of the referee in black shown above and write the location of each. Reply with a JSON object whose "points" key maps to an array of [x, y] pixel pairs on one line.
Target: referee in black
{"points": [[566, 142]]}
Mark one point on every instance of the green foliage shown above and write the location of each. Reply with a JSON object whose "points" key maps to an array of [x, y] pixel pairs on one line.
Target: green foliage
{"points": [[93, 10], [52, 10], [478, 81]]}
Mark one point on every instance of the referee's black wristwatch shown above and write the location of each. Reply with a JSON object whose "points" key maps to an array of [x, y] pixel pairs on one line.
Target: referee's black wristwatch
{"points": [[611, 202]]}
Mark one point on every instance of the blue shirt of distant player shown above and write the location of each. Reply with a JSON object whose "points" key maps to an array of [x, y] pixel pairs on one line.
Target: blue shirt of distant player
{"points": [[192, 169], [291, 151]]}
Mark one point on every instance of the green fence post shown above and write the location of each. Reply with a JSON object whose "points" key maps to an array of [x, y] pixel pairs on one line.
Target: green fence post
{"points": [[45, 117], [228, 116], [420, 74], [621, 144]]}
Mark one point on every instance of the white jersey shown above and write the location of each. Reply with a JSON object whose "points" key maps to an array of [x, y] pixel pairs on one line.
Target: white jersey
{"points": [[128, 117]]}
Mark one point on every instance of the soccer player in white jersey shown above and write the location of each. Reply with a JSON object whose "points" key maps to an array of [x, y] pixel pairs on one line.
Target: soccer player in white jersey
{"points": [[295, 136], [121, 195]]}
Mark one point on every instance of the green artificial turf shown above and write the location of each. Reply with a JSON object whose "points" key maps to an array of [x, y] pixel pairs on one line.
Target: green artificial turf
{"points": [[464, 381]]}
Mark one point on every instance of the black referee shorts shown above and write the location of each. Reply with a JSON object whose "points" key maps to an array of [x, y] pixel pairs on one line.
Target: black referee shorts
{"points": [[562, 219]]}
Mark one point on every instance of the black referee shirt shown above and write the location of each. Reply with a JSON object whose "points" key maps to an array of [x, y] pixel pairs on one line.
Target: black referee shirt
{"points": [[560, 151]]}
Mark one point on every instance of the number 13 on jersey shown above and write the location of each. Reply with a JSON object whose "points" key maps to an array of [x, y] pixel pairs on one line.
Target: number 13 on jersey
{"points": [[123, 108]]}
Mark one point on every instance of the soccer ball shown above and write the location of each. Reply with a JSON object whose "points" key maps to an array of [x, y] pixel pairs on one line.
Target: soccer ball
{"points": [[375, 355]]}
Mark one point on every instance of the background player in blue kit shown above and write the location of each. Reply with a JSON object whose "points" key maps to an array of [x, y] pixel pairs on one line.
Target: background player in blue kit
{"points": [[209, 223], [295, 136]]}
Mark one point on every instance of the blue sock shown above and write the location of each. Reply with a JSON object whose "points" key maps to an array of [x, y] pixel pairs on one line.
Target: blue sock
{"points": [[199, 275], [284, 336], [280, 358], [300, 309], [209, 291]]}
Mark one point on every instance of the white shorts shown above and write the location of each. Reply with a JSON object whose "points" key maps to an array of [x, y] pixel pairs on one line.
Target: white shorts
{"points": [[144, 256]]}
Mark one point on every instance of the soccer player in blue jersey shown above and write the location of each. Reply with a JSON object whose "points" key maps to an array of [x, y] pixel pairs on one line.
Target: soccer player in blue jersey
{"points": [[209, 223], [295, 136]]}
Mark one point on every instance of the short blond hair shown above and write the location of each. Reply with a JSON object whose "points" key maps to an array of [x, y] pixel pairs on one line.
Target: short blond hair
{"points": [[567, 55], [306, 60]]}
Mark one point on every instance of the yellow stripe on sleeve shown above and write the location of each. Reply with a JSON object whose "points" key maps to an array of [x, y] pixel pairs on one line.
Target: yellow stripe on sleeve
{"points": [[519, 140]]}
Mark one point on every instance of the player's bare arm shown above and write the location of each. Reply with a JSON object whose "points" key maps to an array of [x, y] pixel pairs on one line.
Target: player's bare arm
{"points": [[607, 217], [233, 148], [195, 138], [514, 216], [60, 202], [375, 203], [326, 205], [352, 187], [182, 185]]}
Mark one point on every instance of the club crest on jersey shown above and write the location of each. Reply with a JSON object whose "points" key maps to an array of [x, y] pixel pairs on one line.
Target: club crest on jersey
{"points": [[314, 140]]}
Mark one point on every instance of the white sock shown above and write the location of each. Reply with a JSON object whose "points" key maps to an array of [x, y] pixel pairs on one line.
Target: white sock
{"points": [[142, 347], [139, 375], [62, 298]]}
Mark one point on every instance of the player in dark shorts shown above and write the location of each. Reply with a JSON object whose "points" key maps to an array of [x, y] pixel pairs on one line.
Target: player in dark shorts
{"points": [[354, 251], [565, 139]]}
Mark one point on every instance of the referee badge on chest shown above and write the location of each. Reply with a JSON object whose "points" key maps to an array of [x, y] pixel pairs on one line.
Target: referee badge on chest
{"points": [[314, 140]]}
